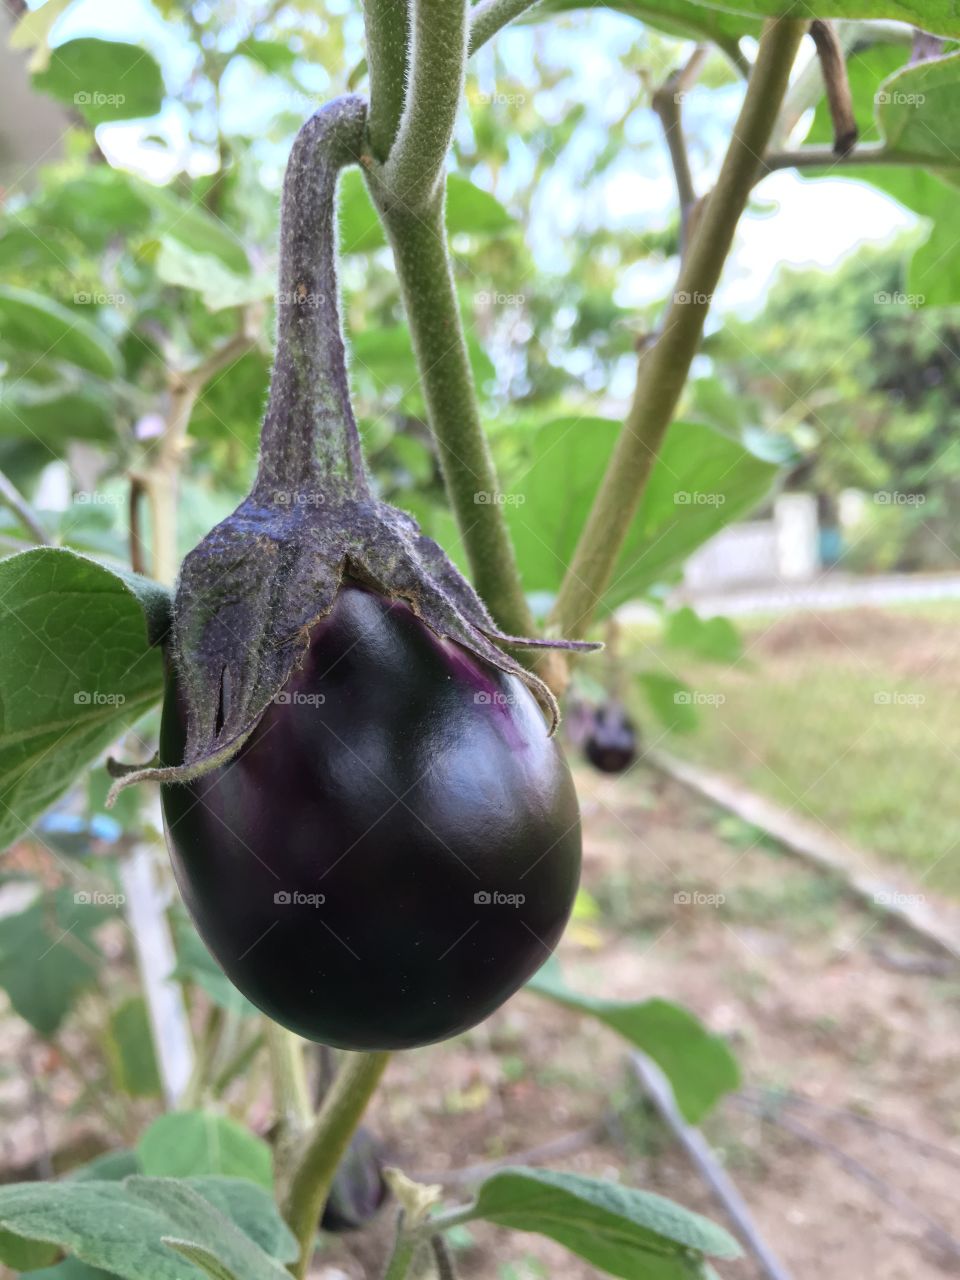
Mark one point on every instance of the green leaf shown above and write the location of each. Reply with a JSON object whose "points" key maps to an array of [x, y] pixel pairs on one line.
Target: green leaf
{"points": [[701, 481], [939, 17], [70, 1269], [112, 1166], [626, 1232], [715, 639], [207, 275], [121, 1227], [918, 110], [470, 210], [24, 1255], [201, 1257], [55, 413], [683, 18], [195, 964], [192, 226], [32, 323], [78, 668], [698, 1064], [47, 956], [271, 55], [670, 700], [254, 1210], [133, 1063], [104, 79], [186, 1143]]}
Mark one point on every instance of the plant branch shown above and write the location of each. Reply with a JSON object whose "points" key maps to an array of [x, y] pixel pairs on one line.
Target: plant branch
{"points": [[436, 327], [413, 174], [667, 102], [404, 1247], [490, 16], [833, 64], [13, 500], [388, 34], [868, 153], [325, 1146], [664, 367]]}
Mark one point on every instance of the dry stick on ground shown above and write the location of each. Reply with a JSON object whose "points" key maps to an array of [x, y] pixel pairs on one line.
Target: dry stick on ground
{"points": [[658, 1090], [839, 98], [936, 1232]]}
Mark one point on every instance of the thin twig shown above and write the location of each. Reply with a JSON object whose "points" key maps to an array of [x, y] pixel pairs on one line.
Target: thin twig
{"points": [[138, 491], [658, 1090], [667, 102], [13, 499], [833, 64], [443, 1259], [868, 153], [490, 16]]}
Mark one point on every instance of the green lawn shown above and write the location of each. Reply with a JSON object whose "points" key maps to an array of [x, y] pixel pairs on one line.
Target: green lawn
{"points": [[851, 718]]}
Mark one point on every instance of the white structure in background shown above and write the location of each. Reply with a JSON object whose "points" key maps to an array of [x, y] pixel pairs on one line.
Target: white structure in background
{"points": [[783, 549]]}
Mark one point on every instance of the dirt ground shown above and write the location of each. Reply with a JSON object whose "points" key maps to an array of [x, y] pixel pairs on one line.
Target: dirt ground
{"points": [[840, 1023], [816, 996]]}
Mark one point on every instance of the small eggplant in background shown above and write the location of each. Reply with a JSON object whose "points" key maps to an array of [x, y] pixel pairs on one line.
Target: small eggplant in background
{"points": [[359, 1189], [611, 744]]}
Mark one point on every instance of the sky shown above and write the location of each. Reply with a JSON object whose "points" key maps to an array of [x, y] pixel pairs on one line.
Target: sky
{"points": [[799, 222]]}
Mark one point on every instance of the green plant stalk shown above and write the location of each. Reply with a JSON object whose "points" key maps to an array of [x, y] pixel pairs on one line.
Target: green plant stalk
{"points": [[429, 296], [13, 500], [867, 153], [291, 1095], [664, 368], [325, 1146], [388, 33], [490, 16], [404, 1249], [414, 171]]}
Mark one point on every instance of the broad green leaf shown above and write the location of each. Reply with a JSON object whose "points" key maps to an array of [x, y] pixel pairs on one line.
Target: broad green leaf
{"points": [[121, 1227], [919, 110], [24, 1255], [253, 1209], [195, 964], [469, 210], [33, 32], [683, 18], [626, 1232], [78, 668], [715, 639], [187, 1143], [112, 1166], [671, 701], [104, 79], [698, 1064], [32, 323], [97, 206], [191, 225], [701, 481], [941, 17], [47, 956], [209, 276], [133, 1063], [70, 1269], [271, 55], [201, 1258], [55, 413]]}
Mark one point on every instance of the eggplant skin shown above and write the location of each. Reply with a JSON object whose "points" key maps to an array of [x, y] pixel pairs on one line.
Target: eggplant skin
{"points": [[394, 851]]}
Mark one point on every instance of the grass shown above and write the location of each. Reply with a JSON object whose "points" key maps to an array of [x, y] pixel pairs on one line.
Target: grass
{"points": [[851, 718]]}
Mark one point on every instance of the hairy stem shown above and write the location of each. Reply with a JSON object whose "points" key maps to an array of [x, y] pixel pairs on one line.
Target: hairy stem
{"points": [[429, 296], [664, 367], [490, 16], [388, 33], [414, 172], [291, 1095], [13, 500], [325, 1146]]}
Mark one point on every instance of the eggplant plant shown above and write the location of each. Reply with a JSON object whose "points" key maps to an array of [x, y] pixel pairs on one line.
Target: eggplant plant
{"points": [[370, 819]]}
